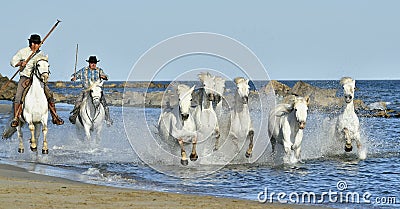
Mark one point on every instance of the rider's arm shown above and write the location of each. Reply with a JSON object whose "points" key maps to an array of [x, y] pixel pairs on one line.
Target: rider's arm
{"points": [[18, 60], [103, 75], [77, 75]]}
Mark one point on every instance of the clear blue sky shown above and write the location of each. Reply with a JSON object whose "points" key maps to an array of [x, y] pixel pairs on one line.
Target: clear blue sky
{"points": [[298, 40]]}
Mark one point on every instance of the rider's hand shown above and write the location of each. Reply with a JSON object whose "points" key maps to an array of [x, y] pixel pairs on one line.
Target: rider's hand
{"points": [[21, 64]]}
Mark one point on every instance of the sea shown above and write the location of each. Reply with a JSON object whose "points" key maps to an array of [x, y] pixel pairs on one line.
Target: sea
{"points": [[130, 155]]}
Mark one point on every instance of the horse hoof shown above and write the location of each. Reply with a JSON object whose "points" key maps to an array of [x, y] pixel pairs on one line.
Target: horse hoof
{"points": [[348, 149], [34, 149], [184, 162], [45, 151], [21, 150], [248, 154], [194, 157]]}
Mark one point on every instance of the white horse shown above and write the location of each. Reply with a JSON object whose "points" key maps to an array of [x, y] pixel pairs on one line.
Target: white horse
{"points": [[91, 114], [35, 106], [347, 124], [177, 123], [286, 123], [205, 116], [241, 126], [219, 84]]}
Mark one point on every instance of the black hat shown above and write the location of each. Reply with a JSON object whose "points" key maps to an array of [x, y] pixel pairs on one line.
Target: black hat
{"points": [[35, 38], [92, 59]]}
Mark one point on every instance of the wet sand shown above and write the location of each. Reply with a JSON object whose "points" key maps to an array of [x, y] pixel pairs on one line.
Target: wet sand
{"points": [[22, 189]]}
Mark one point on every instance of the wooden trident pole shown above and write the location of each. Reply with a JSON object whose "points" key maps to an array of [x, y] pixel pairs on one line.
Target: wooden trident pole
{"points": [[21, 68], [76, 60]]}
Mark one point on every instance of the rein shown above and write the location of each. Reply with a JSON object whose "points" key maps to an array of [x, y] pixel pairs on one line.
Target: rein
{"points": [[37, 73], [97, 111]]}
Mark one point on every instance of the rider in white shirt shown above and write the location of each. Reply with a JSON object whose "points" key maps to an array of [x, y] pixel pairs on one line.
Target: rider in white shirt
{"points": [[19, 60]]}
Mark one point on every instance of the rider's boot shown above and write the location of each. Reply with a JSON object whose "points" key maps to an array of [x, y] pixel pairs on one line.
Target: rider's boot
{"points": [[17, 113], [109, 121], [74, 112], [55, 118]]}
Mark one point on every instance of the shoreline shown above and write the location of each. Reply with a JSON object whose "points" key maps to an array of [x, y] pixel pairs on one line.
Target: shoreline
{"points": [[22, 189]]}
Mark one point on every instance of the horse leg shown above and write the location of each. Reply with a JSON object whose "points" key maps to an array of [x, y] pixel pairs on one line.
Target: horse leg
{"points": [[21, 142], [297, 143], [217, 136], [184, 160], [297, 153], [33, 139], [348, 147], [273, 143], [193, 155], [87, 132], [45, 149], [250, 137]]}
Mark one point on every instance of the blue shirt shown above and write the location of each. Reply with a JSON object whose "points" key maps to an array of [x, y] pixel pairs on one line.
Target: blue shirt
{"points": [[88, 76]]}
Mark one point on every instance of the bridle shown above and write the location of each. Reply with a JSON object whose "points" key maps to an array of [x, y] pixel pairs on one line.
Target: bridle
{"points": [[96, 109], [37, 73]]}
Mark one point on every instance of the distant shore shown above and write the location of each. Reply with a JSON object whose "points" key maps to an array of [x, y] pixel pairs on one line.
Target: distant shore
{"points": [[22, 189]]}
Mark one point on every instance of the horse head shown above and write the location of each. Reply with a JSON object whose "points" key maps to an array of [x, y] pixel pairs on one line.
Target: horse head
{"points": [[208, 84], [348, 85], [300, 108], [95, 91], [185, 100], [41, 70], [219, 89], [243, 89]]}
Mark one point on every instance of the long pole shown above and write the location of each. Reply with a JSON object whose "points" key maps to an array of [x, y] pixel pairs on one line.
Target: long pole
{"points": [[30, 57], [76, 61]]}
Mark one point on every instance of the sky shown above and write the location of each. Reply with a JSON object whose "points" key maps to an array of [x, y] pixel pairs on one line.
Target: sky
{"points": [[292, 39]]}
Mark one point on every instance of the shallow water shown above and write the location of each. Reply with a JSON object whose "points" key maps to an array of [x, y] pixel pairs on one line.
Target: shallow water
{"points": [[326, 168]]}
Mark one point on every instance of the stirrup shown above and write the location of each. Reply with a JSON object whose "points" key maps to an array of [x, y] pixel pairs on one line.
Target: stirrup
{"points": [[14, 122], [72, 119]]}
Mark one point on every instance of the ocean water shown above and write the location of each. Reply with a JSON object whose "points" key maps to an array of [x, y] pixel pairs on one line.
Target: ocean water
{"points": [[131, 155]]}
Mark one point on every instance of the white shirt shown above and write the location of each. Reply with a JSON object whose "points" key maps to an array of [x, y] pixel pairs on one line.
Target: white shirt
{"points": [[23, 54]]}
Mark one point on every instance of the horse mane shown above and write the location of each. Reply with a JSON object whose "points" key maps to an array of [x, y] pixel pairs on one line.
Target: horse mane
{"points": [[203, 75], [182, 88], [345, 80], [40, 57], [219, 84], [239, 80], [94, 84]]}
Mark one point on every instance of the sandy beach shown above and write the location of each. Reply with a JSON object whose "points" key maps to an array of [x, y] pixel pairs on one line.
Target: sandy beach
{"points": [[22, 189]]}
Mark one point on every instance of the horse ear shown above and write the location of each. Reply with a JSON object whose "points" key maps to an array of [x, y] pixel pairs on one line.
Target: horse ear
{"points": [[308, 100]]}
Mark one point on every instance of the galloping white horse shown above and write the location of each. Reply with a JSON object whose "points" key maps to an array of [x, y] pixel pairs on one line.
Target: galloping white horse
{"points": [[35, 106], [347, 124], [241, 126], [91, 114], [205, 116], [177, 123], [286, 123]]}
